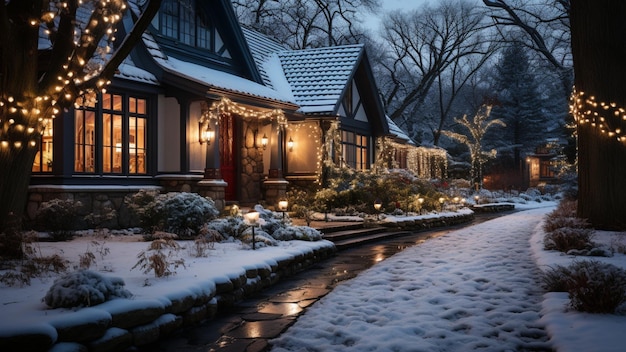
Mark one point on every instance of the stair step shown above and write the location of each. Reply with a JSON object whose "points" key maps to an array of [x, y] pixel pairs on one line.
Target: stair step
{"points": [[346, 234], [354, 241]]}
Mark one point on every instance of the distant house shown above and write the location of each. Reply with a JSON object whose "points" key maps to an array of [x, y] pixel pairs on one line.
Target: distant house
{"points": [[541, 165], [204, 105]]}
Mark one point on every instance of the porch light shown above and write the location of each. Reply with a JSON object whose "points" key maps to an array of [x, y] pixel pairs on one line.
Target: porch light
{"points": [[264, 141], [290, 144], [205, 134]]}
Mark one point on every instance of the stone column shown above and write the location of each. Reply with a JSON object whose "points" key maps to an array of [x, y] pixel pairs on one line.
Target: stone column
{"points": [[212, 185], [275, 185]]}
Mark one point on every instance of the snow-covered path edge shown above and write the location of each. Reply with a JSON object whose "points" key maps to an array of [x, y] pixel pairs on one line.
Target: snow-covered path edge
{"points": [[476, 288]]}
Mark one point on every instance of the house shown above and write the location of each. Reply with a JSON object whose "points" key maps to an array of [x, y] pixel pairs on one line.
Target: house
{"points": [[204, 105], [541, 166]]}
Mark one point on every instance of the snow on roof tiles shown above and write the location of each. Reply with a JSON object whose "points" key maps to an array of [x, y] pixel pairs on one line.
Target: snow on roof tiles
{"points": [[319, 76]]}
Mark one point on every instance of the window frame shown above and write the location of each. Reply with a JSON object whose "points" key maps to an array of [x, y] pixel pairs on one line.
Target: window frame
{"points": [[112, 138]]}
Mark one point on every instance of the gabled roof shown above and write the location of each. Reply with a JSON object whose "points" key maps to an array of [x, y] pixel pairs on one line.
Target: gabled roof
{"points": [[174, 71], [319, 76]]}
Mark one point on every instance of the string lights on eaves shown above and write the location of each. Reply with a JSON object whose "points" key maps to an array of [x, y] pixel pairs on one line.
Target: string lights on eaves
{"points": [[606, 117], [24, 116]]}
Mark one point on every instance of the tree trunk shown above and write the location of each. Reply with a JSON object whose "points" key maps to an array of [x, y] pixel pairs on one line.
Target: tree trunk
{"points": [[16, 169], [599, 52]]}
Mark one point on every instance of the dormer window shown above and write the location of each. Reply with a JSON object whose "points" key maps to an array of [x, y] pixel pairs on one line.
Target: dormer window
{"points": [[185, 22]]}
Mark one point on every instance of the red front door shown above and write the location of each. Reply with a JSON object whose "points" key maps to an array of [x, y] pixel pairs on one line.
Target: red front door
{"points": [[228, 155]]}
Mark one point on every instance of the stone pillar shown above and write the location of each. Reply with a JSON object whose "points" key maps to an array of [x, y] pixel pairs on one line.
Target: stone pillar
{"points": [[275, 185], [214, 189]]}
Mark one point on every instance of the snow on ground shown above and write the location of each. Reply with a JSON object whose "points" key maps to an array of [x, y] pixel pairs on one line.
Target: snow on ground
{"points": [[475, 289], [227, 260]]}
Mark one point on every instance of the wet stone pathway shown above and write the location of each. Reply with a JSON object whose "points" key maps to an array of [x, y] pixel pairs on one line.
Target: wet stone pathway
{"points": [[252, 322]]}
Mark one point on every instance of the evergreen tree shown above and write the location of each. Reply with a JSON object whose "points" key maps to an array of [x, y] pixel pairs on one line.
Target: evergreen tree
{"points": [[519, 104]]}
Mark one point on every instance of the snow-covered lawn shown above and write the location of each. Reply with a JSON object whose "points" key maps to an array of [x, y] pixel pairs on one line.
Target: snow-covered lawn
{"points": [[475, 289]]}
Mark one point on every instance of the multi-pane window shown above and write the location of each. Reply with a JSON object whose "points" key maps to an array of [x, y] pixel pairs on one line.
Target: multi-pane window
{"points": [[110, 136], [181, 21], [355, 150], [43, 159]]}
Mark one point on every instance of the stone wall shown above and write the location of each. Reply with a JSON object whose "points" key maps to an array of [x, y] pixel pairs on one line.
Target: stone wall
{"points": [[118, 330]]}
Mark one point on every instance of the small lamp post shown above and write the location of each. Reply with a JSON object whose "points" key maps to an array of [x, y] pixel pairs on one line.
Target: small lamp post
{"points": [[377, 205], [252, 218], [282, 206], [420, 200], [441, 201], [476, 198]]}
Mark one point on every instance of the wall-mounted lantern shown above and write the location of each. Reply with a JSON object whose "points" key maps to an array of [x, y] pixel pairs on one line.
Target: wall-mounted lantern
{"points": [[205, 133], [290, 144], [264, 141]]}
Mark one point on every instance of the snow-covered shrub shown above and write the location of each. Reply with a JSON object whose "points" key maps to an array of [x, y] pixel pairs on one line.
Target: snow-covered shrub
{"points": [[84, 288], [555, 279], [596, 287], [304, 233], [261, 238], [181, 213], [565, 239], [143, 205], [59, 216], [187, 212], [227, 227]]}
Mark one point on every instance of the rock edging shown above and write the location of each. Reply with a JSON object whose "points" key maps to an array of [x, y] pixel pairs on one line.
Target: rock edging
{"points": [[102, 328]]}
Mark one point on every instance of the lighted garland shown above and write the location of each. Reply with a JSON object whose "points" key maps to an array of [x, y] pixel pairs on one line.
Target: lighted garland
{"points": [[600, 115], [226, 106], [27, 117]]}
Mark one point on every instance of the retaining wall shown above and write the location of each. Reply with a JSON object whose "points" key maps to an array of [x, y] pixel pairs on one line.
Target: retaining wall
{"points": [[103, 328]]}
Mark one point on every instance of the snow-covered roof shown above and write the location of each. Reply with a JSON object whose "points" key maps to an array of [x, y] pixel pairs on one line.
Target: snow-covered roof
{"points": [[318, 76], [398, 132]]}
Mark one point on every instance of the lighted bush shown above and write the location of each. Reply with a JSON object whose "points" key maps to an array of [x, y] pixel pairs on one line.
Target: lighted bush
{"points": [[592, 286], [84, 288]]}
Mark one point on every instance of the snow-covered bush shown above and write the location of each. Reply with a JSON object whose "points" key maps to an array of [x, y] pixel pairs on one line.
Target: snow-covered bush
{"points": [[592, 286], [181, 213], [84, 288], [59, 216], [565, 232], [304, 233], [228, 227], [566, 239]]}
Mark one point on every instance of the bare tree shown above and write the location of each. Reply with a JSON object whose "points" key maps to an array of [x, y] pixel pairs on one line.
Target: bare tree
{"points": [[303, 24], [546, 24], [599, 52], [425, 46], [48, 58]]}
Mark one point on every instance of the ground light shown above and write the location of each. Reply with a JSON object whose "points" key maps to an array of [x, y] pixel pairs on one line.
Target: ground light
{"points": [[282, 206], [252, 218], [377, 205]]}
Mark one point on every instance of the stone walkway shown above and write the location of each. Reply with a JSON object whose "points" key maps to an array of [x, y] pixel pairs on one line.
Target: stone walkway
{"points": [[249, 325]]}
